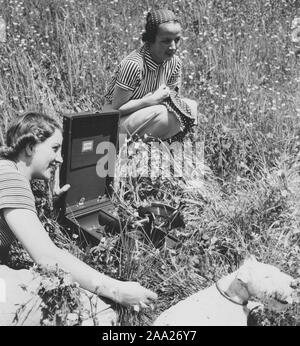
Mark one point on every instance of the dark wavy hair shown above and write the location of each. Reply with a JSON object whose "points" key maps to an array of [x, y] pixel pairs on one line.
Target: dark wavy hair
{"points": [[149, 35], [30, 128]]}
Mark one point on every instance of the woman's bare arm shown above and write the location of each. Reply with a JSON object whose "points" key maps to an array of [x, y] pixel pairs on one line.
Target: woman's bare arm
{"points": [[30, 232], [122, 102]]}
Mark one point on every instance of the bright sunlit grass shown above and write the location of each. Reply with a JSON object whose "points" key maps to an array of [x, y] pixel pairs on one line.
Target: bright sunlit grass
{"points": [[241, 66]]}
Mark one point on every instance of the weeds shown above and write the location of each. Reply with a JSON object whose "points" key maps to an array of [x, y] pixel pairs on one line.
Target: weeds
{"points": [[241, 65]]}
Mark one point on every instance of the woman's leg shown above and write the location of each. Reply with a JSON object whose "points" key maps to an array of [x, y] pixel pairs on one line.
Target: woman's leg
{"points": [[154, 121], [20, 299], [20, 306]]}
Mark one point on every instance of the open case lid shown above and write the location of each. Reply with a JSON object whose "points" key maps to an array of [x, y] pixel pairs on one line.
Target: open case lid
{"points": [[89, 152]]}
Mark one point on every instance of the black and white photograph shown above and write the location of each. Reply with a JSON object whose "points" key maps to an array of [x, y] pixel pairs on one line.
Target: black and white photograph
{"points": [[149, 166]]}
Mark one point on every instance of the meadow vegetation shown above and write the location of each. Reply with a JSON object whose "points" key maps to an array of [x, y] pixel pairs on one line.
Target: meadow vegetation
{"points": [[241, 65]]}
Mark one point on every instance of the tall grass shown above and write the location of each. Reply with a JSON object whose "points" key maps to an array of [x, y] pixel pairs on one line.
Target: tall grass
{"points": [[241, 66]]}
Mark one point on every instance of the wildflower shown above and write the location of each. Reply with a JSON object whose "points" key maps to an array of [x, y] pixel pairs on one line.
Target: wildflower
{"points": [[47, 322], [72, 319]]}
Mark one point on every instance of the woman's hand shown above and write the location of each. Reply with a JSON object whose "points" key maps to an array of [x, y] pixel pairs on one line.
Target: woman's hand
{"points": [[160, 94], [57, 191], [123, 102], [129, 293]]}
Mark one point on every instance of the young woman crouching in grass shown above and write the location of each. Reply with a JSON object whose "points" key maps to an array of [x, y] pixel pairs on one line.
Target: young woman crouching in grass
{"points": [[146, 85], [33, 150]]}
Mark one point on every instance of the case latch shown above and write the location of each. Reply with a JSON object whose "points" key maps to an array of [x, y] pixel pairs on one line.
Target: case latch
{"points": [[81, 202], [101, 198]]}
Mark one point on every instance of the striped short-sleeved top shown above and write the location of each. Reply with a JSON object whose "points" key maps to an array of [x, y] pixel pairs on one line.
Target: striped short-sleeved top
{"points": [[139, 73], [15, 192]]}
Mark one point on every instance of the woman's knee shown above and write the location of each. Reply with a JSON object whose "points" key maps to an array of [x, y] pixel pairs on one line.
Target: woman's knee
{"points": [[160, 109], [168, 125], [162, 118]]}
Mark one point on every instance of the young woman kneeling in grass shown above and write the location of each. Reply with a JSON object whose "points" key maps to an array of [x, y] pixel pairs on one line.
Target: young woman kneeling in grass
{"points": [[33, 150]]}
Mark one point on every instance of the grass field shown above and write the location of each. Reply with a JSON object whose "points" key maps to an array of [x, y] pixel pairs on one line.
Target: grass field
{"points": [[241, 65]]}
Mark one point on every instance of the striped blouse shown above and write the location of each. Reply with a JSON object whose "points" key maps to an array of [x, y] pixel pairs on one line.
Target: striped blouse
{"points": [[15, 192], [139, 73]]}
